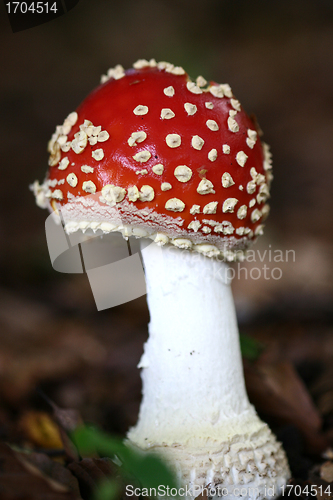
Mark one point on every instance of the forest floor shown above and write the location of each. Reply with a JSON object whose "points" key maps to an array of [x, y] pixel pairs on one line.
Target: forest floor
{"points": [[61, 366]]}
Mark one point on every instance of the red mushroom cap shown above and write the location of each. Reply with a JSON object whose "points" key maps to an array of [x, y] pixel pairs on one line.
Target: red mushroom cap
{"points": [[177, 161]]}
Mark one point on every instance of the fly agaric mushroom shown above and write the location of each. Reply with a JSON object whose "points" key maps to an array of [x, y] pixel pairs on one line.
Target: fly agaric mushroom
{"points": [[181, 163]]}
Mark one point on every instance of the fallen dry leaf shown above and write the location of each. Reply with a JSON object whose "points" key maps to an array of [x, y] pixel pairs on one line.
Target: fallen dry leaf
{"points": [[323, 488], [68, 419], [277, 390], [19, 479], [92, 471], [326, 472], [328, 454], [53, 470], [322, 390], [39, 428]]}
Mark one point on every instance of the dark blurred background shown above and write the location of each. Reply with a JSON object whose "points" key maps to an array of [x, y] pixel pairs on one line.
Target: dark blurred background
{"points": [[278, 58]]}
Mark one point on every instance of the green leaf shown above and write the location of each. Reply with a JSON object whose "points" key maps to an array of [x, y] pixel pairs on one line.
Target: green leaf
{"points": [[88, 440], [250, 348], [107, 490], [148, 469]]}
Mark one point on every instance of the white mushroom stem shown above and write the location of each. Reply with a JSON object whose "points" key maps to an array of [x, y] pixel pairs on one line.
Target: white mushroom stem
{"points": [[195, 410]]}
